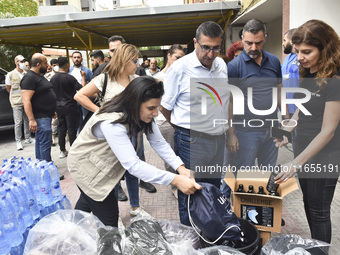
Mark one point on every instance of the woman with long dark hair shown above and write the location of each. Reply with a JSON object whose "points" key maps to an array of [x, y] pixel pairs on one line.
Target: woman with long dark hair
{"points": [[317, 148], [107, 147]]}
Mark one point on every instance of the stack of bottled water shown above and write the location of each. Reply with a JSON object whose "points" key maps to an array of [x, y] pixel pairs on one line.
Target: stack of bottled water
{"points": [[29, 190]]}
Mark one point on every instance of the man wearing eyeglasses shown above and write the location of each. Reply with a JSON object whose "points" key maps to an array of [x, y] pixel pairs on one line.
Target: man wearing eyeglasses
{"points": [[260, 71], [196, 142]]}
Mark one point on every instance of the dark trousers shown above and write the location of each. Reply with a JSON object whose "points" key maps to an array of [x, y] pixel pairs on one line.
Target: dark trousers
{"points": [[70, 123], [318, 189], [106, 211]]}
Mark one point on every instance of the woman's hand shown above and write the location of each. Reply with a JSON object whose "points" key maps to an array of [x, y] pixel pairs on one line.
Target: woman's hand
{"points": [[287, 171], [185, 184], [186, 172]]}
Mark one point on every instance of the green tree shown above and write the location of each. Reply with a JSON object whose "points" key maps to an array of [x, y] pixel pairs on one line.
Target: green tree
{"points": [[11, 9], [18, 8]]}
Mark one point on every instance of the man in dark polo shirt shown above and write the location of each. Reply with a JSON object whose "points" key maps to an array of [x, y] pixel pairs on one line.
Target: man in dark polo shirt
{"points": [[40, 104], [256, 70], [65, 87]]}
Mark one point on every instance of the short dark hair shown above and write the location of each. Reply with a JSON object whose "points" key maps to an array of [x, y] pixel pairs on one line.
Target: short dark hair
{"points": [[254, 26], [54, 61], [290, 33], [210, 29], [63, 61], [138, 91], [77, 52], [116, 38], [98, 54]]}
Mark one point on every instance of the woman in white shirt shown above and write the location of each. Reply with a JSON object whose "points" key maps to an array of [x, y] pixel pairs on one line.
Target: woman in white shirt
{"points": [[107, 147]]}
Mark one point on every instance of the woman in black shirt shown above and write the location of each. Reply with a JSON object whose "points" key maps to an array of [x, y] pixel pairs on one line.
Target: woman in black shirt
{"points": [[317, 149]]}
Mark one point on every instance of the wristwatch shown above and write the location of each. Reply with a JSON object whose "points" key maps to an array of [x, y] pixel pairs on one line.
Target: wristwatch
{"points": [[297, 166]]}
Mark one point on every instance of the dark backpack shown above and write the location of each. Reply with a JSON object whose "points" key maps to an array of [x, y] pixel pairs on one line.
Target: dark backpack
{"points": [[211, 216]]}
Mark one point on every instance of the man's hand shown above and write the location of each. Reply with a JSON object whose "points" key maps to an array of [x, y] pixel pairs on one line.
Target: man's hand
{"points": [[232, 142], [33, 126]]}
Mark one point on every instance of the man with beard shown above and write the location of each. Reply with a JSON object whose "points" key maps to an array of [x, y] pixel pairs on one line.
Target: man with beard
{"points": [[254, 69], [97, 60], [290, 72], [75, 71], [40, 104]]}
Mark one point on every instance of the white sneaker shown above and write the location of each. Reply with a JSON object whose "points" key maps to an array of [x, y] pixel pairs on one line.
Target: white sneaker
{"points": [[19, 146], [63, 154], [139, 211], [28, 140]]}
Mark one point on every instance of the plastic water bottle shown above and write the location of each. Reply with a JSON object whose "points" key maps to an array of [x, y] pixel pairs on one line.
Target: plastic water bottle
{"points": [[18, 172], [34, 178], [5, 246], [17, 213], [10, 222], [32, 201], [64, 204], [55, 184], [22, 198], [46, 198]]}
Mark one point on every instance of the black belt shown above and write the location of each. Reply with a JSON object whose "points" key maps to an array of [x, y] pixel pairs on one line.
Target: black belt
{"points": [[198, 134]]}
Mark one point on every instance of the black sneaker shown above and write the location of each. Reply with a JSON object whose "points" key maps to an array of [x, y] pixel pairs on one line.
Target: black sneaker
{"points": [[147, 186], [121, 195], [61, 177]]}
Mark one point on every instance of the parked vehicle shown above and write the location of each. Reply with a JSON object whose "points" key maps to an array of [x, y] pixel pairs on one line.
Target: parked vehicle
{"points": [[6, 113]]}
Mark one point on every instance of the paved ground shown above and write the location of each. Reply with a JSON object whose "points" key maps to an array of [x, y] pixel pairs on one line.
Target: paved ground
{"points": [[163, 205]]}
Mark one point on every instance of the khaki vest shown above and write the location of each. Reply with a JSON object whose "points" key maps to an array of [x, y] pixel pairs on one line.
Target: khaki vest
{"points": [[91, 162], [15, 96]]}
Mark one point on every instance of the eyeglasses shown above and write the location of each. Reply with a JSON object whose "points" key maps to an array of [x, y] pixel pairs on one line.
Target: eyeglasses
{"points": [[112, 50], [135, 61], [206, 48]]}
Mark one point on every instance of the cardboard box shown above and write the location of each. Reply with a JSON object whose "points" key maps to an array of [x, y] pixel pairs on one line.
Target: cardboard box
{"points": [[265, 236], [264, 211]]}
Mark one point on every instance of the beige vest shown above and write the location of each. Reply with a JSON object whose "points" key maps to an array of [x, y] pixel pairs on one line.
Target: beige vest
{"points": [[15, 96], [91, 162]]}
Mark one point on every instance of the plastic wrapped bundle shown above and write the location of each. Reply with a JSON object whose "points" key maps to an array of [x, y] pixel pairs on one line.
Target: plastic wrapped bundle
{"points": [[109, 241], [179, 234], [145, 237], [64, 232], [294, 244], [218, 250]]}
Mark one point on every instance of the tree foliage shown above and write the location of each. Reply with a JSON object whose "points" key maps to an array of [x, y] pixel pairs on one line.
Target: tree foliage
{"points": [[19, 8], [11, 9]]}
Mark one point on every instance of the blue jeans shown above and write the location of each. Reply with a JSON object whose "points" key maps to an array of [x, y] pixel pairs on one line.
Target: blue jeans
{"points": [[198, 152], [43, 139], [255, 145]]}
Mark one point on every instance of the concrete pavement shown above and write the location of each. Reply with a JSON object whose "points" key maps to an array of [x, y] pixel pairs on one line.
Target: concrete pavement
{"points": [[163, 205]]}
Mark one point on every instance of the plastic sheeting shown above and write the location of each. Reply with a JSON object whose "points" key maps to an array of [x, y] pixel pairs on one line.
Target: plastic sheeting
{"points": [[64, 232], [294, 245]]}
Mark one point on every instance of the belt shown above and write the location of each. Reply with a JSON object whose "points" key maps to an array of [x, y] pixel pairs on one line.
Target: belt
{"points": [[198, 134]]}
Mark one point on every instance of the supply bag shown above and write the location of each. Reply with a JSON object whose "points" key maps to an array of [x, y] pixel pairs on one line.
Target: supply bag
{"points": [[210, 213]]}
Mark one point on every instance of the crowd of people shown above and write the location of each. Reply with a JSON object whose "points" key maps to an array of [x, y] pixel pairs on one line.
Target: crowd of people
{"points": [[106, 111]]}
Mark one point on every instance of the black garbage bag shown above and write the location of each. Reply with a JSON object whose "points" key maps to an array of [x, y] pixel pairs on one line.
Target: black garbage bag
{"points": [[145, 237], [109, 241]]}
